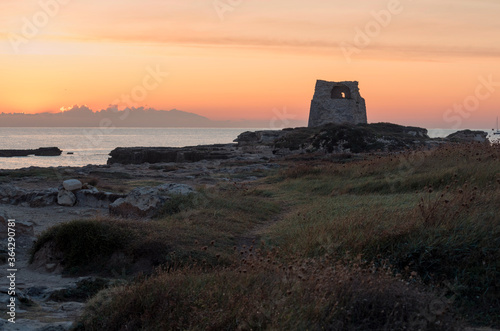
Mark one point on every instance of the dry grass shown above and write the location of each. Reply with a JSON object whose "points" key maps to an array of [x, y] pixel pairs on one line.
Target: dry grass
{"points": [[438, 221], [394, 242], [260, 293], [175, 238]]}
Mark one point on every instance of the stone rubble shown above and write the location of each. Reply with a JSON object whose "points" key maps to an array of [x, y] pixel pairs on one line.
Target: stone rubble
{"points": [[146, 201]]}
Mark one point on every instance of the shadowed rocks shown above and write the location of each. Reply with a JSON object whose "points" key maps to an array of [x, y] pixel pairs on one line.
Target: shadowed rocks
{"points": [[42, 151], [348, 138], [85, 196], [138, 155], [146, 201], [468, 136]]}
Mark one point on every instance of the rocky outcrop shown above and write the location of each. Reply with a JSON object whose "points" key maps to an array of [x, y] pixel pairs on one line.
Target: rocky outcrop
{"points": [[329, 138], [42, 151], [337, 102], [66, 198], [146, 201], [42, 198], [138, 155], [10, 194], [339, 138], [252, 138], [93, 198], [87, 196], [468, 136]]}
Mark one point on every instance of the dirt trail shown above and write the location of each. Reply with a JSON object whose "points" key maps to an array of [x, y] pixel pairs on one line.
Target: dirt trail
{"points": [[253, 237]]}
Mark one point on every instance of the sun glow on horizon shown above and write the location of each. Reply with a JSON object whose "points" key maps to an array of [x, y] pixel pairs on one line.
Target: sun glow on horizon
{"points": [[260, 57]]}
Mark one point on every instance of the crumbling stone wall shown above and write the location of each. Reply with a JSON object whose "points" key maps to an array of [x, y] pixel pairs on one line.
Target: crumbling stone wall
{"points": [[337, 102]]}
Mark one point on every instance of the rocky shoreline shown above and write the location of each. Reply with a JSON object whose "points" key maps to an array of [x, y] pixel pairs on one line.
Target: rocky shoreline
{"points": [[39, 198], [327, 139], [136, 182]]}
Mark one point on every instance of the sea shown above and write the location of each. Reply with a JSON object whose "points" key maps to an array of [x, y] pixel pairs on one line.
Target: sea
{"points": [[83, 146], [93, 145]]}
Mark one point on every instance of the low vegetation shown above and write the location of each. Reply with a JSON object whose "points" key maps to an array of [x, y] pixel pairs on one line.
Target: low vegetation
{"points": [[431, 215], [36, 172], [261, 293], [82, 291], [387, 242], [180, 235]]}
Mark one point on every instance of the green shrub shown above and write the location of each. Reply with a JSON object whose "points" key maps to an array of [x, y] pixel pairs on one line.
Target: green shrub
{"points": [[178, 203], [84, 243]]}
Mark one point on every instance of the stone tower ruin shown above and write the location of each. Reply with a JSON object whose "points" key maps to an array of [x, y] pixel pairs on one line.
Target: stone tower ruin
{"points": [[337, 102]]}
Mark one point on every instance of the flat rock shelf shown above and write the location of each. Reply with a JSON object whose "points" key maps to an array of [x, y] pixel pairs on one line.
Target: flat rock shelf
{"points": [[42, 151]]}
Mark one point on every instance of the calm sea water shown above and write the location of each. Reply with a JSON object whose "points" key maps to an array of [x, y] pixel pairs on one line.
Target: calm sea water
{"points": [[92, 145]]}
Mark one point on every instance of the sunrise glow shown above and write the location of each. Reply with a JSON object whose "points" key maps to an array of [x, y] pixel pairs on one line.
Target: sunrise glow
{"points": [[418, 62]]}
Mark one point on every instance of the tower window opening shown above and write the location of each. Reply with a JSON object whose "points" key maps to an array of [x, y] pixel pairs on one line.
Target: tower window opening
{"points": [[341, 92]]}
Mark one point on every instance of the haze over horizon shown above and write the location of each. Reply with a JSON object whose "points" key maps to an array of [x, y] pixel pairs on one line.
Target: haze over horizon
{"points": [[419, 63], [83, 116]]}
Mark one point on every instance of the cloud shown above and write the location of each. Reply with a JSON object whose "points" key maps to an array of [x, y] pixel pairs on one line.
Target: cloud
{"points": [[424, 29]]}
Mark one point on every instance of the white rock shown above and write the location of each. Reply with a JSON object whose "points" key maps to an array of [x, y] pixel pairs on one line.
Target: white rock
{"points": [[72, 184], [142, 201], [145, 201], [66, 198]]}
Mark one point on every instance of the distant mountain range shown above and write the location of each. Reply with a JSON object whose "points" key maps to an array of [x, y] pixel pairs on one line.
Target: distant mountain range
{"points": [[82, 116]]}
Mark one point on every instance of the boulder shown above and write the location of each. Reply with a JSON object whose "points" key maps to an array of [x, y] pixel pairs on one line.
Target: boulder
{"points": [[66, 198], [72, 184], [93, 198], [141, 202], [146, 201]]}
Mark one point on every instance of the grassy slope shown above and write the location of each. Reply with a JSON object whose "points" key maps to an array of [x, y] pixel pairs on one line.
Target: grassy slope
{"points": [[180, 235], [445, 234], [400, 241]]}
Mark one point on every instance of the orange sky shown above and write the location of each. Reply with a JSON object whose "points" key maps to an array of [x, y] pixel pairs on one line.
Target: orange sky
{"points": [[415, 60]]}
